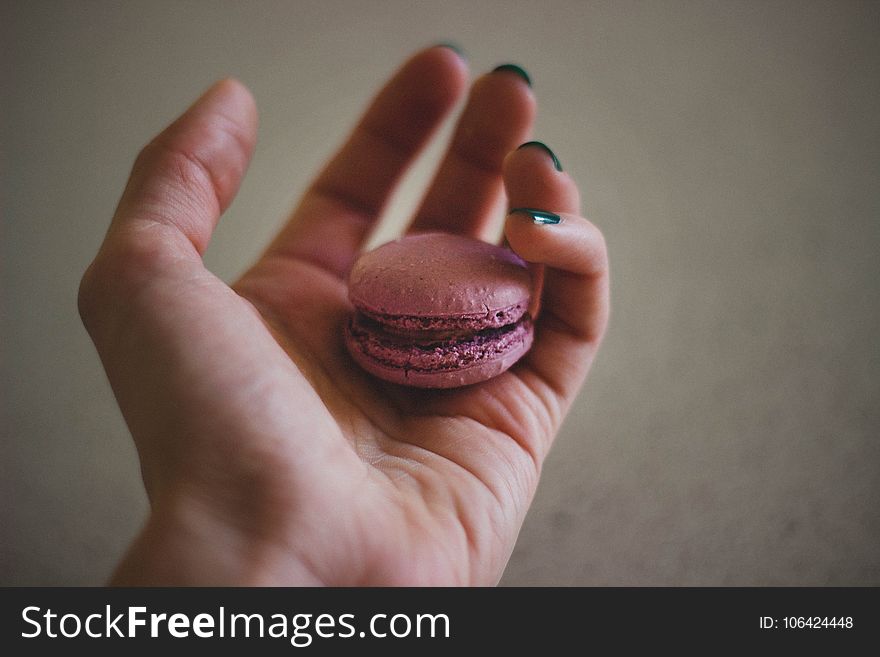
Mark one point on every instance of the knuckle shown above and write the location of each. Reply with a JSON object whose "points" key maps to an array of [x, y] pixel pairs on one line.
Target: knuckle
{"points": [[597, 251], [208, 162], [177, 164], [124, 266], [88, 297]]}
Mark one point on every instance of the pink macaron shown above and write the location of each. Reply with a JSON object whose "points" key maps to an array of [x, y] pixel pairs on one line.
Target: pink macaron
{"points": [[436, 310]]}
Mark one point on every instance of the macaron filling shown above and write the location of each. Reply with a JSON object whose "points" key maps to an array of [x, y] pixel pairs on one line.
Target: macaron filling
{"points": [[449, 326], [437, 350]]}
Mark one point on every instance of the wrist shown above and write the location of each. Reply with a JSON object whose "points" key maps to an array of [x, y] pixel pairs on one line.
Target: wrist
{"points": [[186, 542]]}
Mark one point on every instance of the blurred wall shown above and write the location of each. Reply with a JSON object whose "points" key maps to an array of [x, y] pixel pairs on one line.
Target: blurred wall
{"points": [[730, 151]]}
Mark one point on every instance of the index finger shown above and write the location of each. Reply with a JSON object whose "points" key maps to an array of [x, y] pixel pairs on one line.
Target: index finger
{"points": [[341, 206]]}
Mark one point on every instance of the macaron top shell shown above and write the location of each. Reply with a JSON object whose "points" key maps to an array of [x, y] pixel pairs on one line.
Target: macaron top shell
{"points": [[439, 275]]}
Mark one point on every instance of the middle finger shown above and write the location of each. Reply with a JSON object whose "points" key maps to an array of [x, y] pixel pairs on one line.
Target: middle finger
{"points": [[497, 118]]}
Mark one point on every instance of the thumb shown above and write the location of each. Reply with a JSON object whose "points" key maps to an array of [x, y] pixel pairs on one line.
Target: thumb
{"points": [[189, 174], [179, 185]]}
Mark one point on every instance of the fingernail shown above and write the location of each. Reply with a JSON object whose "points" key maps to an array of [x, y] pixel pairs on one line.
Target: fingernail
{"points": [[454, 47], [513, 68], [546, 148], [539, 217]]}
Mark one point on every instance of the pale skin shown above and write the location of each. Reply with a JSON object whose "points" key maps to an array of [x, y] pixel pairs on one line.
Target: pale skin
{"points": [[268, 456]]}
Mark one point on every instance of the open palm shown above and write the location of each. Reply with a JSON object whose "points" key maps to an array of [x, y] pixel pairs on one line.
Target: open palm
{"points": [[268, 455]]}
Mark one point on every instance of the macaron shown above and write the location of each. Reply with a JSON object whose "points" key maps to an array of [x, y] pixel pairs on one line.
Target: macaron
{"points": [[436, 310]]}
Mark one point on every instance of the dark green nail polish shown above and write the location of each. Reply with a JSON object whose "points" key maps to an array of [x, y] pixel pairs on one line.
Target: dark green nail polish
{"points": [[454, 47], [540, 217], [546, 148], [513, 68]]}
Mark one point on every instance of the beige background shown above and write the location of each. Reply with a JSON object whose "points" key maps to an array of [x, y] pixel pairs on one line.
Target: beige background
{"points": [[730, 151]]}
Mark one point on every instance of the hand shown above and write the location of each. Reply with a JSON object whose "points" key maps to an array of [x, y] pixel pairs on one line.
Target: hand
{"points": [[268, 456]]}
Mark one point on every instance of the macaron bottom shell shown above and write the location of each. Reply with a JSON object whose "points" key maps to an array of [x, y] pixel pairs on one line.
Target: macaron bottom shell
{"points": [[446, 364]]}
